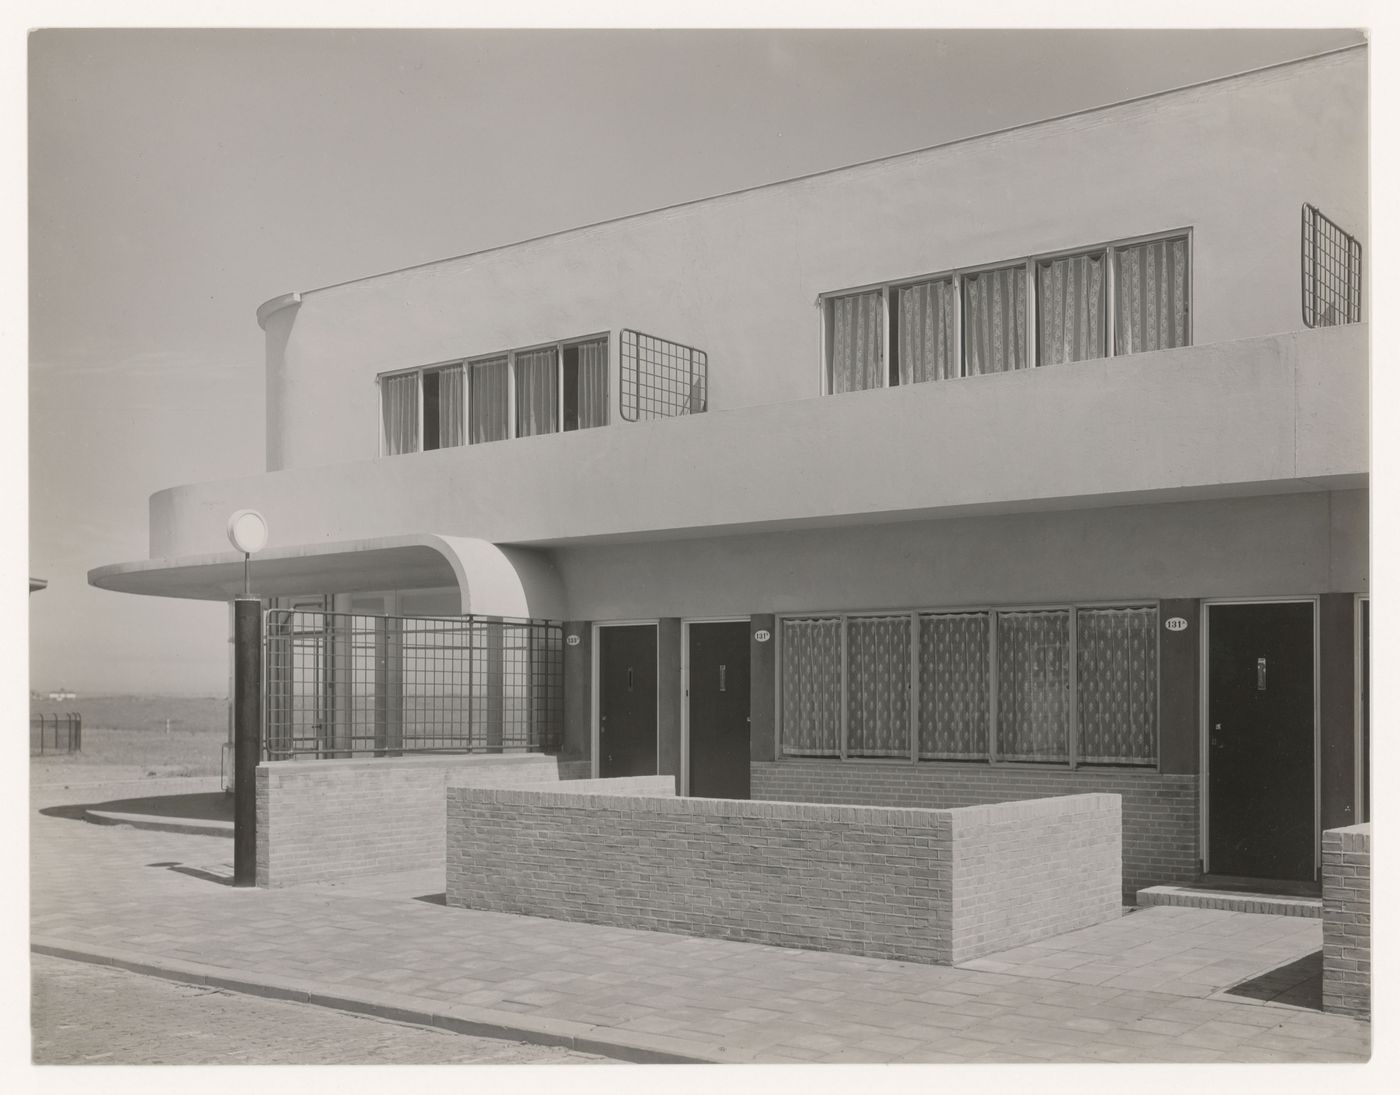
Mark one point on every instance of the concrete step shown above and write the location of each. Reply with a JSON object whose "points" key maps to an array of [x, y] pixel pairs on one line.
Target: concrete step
{"points": [[1230, 901]]}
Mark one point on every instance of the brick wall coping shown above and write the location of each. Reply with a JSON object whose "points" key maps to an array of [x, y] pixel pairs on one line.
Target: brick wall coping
{"points": [[966, 817], [427, 760], [1362, 830]]}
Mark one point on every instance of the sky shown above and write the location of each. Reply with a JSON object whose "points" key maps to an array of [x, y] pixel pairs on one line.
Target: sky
{"points": [[179, 178]]}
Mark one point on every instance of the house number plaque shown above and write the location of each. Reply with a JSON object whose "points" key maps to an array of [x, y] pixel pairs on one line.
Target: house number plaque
{"points": [[1176, 623], [572, 640], [762, 636]]}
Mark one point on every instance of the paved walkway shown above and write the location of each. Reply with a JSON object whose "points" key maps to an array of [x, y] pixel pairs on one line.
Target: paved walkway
{"points": [[1148, 987]]}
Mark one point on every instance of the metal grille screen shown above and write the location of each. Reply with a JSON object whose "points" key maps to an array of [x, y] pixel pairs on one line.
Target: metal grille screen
{"points": [[954, 686], [344, 685], [877, 686]]}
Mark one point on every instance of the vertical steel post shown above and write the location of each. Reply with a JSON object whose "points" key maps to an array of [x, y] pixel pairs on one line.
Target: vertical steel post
{"points": [[247, 735]]}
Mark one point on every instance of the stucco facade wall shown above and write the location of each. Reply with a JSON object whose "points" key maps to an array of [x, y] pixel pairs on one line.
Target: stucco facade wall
{"points": [[737, 275]]}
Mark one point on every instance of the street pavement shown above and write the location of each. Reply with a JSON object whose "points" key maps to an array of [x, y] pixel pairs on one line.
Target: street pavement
{"points": [[85, 1014], [1152, 986]]}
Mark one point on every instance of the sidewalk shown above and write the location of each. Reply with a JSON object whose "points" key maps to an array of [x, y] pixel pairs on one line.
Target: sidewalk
{"points": [[1149, 987]]}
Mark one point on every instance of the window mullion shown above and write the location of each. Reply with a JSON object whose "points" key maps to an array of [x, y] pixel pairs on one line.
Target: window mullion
{"points": [[1032, 315], [418, 399], [885, 352], [1110, 328]]}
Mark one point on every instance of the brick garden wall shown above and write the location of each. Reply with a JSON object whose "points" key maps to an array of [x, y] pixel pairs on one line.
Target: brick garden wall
{"points": [[862, 880], [1346, 920], [1026, 870], [1160, 811], [325, 819]]}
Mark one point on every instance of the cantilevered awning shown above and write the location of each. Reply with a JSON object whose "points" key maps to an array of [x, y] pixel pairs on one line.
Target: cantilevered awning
{"points": [[492, 580]]}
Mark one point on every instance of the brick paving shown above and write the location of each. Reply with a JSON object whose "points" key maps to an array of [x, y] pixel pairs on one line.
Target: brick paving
{"points": [[1147, 987], [95, 1015]]}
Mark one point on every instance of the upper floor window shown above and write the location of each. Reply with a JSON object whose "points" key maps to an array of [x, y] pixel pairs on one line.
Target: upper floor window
{"points": [[1331, 272], [516, 394], [1119, 298]]}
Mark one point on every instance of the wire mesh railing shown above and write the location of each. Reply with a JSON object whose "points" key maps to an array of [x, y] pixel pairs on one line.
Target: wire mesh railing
{"points": [[55, 733], [1331, 272], [660, 378], [347, 685]]}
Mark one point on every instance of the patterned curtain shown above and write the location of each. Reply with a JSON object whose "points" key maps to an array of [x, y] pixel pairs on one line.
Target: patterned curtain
{"points": [[928, 348], [489, 400], [593, 384], [811, 687], [1117, 678], [877, 686], [1150, 295], [399, 405], [451, 406], [1033, 679], [954, 686], [536, 392], [857, 342], [1071, 303], [994, 328]]}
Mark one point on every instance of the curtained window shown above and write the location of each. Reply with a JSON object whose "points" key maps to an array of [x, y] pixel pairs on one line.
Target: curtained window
{"points": [[1033, 685], [488, 400], [925, 331], [1117, 685], [877, 686], [444, 404], [994, 320], [398, 404], [1151, 296], [954, 685], [1071, 308], [856, 342], [586, 385], [810, 686], [537, 392]]}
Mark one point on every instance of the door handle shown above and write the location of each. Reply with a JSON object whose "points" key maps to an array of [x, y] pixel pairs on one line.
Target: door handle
{"points": [[629, 678], [721, 678], [1261, 672]]}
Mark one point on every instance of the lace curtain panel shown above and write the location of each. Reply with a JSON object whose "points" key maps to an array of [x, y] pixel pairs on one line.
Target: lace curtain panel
{"points": [[593, 384], [954, 686], [1117, 653], [1150, 296], [536, 392], [927, 330], [811, 687], [1033, 682], [452, 393], [994, 310], [857, 342], [399, 406], [1072, 309], [489, 400], [877, 686]]}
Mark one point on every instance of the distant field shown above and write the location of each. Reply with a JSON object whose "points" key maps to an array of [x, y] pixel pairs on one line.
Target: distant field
{"points": [[125, 737]]}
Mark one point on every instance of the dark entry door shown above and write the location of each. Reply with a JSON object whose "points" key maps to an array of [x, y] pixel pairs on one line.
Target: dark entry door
{"points": [[719, 710], [1261, 741], [627, 700]]}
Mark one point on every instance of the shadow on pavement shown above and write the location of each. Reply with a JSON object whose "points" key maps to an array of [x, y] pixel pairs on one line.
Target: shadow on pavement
{"points": [[1298, 983], [433, 898], [205, 806]]}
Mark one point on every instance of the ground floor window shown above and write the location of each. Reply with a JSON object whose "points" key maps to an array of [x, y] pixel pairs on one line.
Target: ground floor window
{"points": [[1072, 685]]}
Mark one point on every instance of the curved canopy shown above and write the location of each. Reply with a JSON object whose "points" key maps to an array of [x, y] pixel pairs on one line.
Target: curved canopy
{"points": [[492, 580]]}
